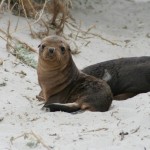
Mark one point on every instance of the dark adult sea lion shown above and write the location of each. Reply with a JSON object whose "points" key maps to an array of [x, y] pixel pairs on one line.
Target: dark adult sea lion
{"points": [[64, 87], [126, 76]]}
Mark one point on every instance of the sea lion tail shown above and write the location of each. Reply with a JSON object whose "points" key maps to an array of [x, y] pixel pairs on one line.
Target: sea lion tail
{"points": [[68, 107]]}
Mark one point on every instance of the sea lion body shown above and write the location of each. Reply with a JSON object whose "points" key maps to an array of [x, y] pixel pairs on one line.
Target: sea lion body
{"points": [[64, 87], [124, 75]]}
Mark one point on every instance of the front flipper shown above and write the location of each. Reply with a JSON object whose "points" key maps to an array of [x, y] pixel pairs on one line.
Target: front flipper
{"points": [[68, 107], [40, 97]]}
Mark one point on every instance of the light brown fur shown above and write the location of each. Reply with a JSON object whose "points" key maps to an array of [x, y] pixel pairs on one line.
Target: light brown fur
{"points": [[63, 86], [51, 81]]}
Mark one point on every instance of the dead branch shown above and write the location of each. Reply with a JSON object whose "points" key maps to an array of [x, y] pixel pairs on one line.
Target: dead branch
{"points": [[8, 35], [78, 30], [39, 139], [2, 6], [10, 39], [85, 33], [57, 8], [135, 130], [99, 129]]}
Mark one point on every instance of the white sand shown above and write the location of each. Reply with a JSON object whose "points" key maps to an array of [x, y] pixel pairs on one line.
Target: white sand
{"points": [[116, 20]]}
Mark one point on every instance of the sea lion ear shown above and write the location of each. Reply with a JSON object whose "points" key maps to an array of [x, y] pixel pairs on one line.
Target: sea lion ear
{"points": [[39, 45]]}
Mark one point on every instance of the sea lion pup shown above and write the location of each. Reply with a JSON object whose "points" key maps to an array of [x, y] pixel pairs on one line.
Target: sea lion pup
{"points": [[64, 87], [126, 77]]}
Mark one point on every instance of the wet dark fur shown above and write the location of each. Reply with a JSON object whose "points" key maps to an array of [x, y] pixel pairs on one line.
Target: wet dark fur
{"points": [[128, 75]]}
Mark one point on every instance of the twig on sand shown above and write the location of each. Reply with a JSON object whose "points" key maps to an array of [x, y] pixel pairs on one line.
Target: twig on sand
{"points": [[8, 35], [8, 43], [89, 29], [13, 139], [85, 33], [18, 48], [25, 13], [26, 45], [13, 39], [104, 39], [135, 130], [2, 5], [78, 30], [41, 13], [39, 139], [99, 129]]}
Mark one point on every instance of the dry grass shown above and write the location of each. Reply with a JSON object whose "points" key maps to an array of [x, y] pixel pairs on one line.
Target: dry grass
{"points": [[34, 140], [59, 8], [52, 16], [19, 48]]}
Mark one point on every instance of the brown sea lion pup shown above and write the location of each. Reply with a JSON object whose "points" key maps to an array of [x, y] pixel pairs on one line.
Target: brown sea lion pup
{"points": [[126, 77], [64, 87]]}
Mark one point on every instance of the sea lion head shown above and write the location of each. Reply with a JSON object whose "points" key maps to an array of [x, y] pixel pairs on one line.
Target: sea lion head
{"points": [[55, 51]]}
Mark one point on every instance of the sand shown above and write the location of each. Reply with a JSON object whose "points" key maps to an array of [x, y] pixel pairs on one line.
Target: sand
{"points": [[24, 126]]}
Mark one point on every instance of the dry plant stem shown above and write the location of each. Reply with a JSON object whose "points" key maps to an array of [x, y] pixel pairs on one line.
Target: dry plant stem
{"points": [[78, 30], [1, 5], [13, 139], [30, 48], [8, 43], [8, 36], [42, 11], [45, 26], [25, 13], [32, 6], [28, 8], [87, 43], [39, 139], [14, 6], [104, 39], [74, 28], [40, 17], [17, 22], [136, 130], [89, 29], [99, 129], [9, 5], [13, 39]]}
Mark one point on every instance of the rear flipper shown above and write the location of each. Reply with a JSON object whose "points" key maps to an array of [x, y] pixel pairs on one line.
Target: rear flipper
{"points": [[68, 107]]}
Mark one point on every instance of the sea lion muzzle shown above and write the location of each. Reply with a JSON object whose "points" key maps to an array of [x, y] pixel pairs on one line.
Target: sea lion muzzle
{"points": [[51, 50]]}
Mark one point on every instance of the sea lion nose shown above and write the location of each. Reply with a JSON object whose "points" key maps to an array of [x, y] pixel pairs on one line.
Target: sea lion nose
{"points": [[51, 50]]}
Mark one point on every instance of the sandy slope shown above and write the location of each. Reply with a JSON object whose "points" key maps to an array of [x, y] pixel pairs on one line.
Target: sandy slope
{"points": [[125, 22]]}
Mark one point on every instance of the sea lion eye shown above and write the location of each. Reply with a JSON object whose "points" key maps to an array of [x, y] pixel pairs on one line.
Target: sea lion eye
{"points": [[43, 46], [62, 49]]}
